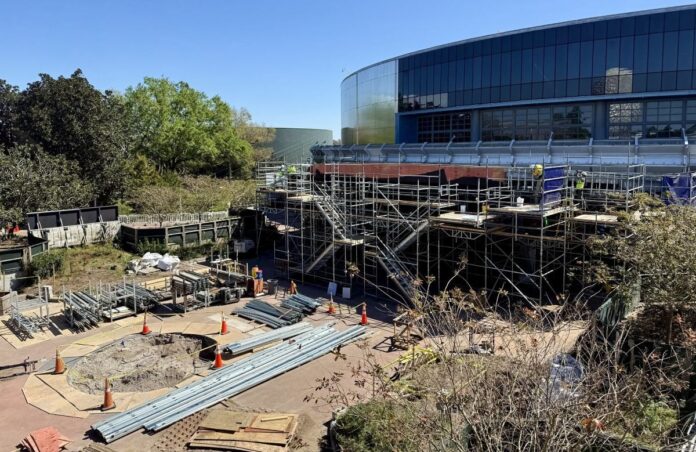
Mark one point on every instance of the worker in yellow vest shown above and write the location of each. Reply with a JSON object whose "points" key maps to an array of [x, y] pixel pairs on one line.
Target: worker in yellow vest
{"points": [[537, 174], [580, 178]]}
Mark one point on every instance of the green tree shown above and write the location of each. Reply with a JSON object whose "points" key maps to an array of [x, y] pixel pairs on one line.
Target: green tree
{"points": [[9, 96], [32, 180], [259, 136], [660, 255], [181, 129], [67, 116]]}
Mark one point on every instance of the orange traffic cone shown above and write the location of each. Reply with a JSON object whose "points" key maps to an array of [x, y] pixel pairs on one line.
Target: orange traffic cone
{"points": [[108, 397], [363, 317], [60, 364], [218, 358], [223, 325], [332, 309], [146, 329]]}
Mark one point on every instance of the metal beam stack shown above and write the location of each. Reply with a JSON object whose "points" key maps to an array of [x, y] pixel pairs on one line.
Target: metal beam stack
{"points": [[260, 340], [82, 310], [132, 295], [270, 315], [301, 303], [227, 382]]}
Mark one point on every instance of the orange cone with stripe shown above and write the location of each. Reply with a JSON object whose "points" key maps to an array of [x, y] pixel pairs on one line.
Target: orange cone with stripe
{"points": [[332, 309], [363, 317], [60, 364], [108, 397], [223, 325], [146, 329], [218, 359]]}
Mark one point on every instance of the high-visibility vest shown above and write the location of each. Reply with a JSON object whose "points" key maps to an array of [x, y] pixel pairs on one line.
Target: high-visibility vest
{"points": [[580, 184]]}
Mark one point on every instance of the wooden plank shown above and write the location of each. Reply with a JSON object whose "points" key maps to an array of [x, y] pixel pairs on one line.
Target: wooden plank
{"points": [[279, 438], [43, 397], [280, 422], [242, 446], [226, 421]]}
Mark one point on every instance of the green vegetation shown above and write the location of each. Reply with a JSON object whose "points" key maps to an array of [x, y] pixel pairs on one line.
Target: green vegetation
{"points": [[193, 194], [47, 264], [65, 144], [376, 426]]}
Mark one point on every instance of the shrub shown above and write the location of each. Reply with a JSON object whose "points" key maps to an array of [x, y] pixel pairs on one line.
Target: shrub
{"points": [[152, 246], [377, 425], [47, 264]]}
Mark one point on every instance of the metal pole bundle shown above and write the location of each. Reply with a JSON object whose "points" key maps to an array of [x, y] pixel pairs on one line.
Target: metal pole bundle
{"points": [[227, 382]]}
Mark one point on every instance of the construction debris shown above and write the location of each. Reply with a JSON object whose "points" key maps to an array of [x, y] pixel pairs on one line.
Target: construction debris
{"points": [[272, 316], [240, 431], [47, 439], [227, 382]]}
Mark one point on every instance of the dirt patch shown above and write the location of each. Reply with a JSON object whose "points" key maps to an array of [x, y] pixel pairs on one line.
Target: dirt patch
{"points": [[139, 363]]}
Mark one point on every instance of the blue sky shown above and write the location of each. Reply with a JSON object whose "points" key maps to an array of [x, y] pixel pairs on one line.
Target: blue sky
{"points": [[282, 60]]}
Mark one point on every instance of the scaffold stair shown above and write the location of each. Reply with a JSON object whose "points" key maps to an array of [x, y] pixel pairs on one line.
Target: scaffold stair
{"points": [[321, 259], [409, 239]]}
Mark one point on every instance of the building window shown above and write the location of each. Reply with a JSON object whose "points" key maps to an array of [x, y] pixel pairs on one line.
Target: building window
{"points": [[567, 122], [663, 119], [652, 119], [625, 120], [455, 127]]}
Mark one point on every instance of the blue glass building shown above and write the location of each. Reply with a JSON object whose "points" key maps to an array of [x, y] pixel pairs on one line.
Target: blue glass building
{"points": [[607, 78]]}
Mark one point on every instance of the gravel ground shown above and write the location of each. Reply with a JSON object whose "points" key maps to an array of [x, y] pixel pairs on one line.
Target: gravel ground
{"points": [[138, 364]]}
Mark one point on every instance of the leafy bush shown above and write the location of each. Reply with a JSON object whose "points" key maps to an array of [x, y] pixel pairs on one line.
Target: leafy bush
{"points": [[152, 246], [46, 264], [377, 425]]}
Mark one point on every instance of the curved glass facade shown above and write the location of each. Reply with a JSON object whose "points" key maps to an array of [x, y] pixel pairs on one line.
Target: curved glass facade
{"points": [[368, 105], [585, 66], [650, 53]]}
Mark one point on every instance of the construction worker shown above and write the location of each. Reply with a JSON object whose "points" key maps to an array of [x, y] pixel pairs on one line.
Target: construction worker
{"points": [[254, 271], [538, 175], [292, 169], [580, 178], [293, 288]]}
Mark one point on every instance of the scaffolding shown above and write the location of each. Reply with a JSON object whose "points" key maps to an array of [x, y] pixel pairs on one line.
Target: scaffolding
{"points": [[403, 230]]}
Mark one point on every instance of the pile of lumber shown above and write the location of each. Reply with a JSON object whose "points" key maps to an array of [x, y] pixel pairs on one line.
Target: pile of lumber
{"points": [[245, 432], [47, 439]]}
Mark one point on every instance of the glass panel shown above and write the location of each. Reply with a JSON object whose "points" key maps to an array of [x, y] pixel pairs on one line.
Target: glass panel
{"points": [[655, 52], [640, 55], [670, 50], [549, 63], [574, 60], [586, 59], [626, 55], [686, 50], [599, 58]]}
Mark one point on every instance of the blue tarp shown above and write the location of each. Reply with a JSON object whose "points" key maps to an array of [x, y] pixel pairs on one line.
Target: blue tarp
{"points": [[554, 184], [679, 189]]}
